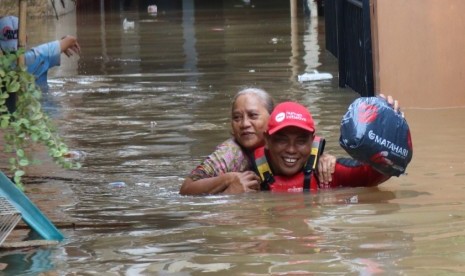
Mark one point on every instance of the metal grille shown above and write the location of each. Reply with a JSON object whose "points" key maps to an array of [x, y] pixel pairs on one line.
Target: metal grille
{"points": [[331, 17], [348, 37], [9, 217]]}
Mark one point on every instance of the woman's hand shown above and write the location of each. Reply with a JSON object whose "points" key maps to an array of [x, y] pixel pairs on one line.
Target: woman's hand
{"points": [[243, 182], [326, 167], [394, 103]]}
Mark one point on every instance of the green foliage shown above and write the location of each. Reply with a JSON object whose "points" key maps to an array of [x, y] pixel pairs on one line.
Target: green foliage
{"points": [[28, 124]]}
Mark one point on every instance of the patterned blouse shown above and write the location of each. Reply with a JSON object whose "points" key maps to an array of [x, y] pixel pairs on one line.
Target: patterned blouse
{"points": [[227, 157]]}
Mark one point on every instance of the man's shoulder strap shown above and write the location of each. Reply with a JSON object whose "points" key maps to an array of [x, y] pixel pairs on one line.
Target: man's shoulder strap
{"points": [[263, 168], [318, 147]]}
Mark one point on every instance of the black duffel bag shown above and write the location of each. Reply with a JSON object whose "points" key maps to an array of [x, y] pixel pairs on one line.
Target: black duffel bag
{"points": [[372, 132]]}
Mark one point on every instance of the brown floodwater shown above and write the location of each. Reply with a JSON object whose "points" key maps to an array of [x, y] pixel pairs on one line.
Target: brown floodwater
{"points": [[147, 104]]}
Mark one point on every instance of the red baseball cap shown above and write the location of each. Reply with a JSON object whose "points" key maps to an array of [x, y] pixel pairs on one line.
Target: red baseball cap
{"points": [[290, 114]]}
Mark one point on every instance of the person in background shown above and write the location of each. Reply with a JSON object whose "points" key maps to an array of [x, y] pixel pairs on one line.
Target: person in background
{"points": [[284, 157], [38, 59], [229, 168]]}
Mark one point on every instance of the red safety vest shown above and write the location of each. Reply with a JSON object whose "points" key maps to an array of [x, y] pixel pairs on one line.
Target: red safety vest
{"points": [[347, 173]]}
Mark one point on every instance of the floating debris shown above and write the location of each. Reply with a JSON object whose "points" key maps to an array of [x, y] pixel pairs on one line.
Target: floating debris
{"points": [[143, 184], [128, 24], [314, 76], [152, 9], [118, 184], [75, 155]]}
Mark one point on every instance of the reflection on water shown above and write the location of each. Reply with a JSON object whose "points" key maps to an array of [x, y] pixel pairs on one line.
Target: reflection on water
{"points": [[260, 233], [147, 104], [28, 262]]}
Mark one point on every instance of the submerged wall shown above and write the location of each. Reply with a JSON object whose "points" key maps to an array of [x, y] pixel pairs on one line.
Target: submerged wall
{"points": [[37, 8], [418, 51]]}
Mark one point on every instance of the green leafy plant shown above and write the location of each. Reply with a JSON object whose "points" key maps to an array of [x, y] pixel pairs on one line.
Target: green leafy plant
{"points": [[27, 124]]}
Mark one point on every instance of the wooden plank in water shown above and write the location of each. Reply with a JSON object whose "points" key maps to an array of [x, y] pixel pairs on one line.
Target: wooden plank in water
{"points": [[30, 243]]}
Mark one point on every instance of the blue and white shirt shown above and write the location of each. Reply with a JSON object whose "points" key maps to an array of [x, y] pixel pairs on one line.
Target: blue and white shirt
{"points": [[40, 59]]}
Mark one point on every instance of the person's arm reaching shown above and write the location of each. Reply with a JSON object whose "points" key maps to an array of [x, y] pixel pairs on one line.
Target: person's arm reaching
{"points": [[352, 173], [225, 170], [228, 183], [69, 45]]}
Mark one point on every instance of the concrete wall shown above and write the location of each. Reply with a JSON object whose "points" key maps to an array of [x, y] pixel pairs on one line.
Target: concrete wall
{"points": [[419, 51], [37, 8]]}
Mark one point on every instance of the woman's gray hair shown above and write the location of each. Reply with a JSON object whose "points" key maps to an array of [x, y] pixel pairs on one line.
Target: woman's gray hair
{"points": [[260, 93]]}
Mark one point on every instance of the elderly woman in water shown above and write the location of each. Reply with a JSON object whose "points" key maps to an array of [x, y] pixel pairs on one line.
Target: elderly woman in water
{"points": [[229, 168]]}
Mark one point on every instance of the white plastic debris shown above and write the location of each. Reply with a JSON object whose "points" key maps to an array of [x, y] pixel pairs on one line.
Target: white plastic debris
{"points": [[143, 184], [352, 199], [128, 24], [118, 184], [314, 76], [76, 155], [152, 9]]}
